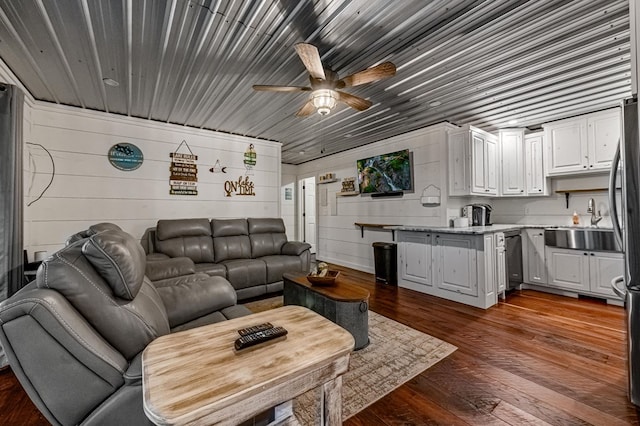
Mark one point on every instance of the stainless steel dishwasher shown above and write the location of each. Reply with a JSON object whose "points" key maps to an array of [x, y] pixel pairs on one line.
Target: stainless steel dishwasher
{"points": [[514, 259]]}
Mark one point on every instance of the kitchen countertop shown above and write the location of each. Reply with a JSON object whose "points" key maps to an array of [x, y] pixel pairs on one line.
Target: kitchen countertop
{"points": [[474, 230]]}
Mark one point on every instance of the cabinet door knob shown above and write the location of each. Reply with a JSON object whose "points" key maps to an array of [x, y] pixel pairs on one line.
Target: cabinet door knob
{"points": [[522, 190], [584, 167], [584, 254]]}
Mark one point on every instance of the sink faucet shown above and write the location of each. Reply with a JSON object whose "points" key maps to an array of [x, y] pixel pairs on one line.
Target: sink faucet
{"points": [[592, 209]]}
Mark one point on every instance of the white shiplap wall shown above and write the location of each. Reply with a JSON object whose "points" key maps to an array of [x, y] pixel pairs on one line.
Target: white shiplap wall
{"points": [[87, 189], [288, 207], [339, 240]]}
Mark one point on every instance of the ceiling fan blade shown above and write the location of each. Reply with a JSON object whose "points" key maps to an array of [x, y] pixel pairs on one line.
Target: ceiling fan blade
{"points": [[354, 102], [311, 59], [268, 88], [384, 70], [307, 109]]}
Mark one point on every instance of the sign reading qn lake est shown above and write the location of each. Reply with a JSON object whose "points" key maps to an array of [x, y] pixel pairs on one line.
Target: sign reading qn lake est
{"points": [[184, 174]]}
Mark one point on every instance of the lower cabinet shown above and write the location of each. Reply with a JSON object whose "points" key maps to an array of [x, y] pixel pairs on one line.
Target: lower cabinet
{"points": [[415, 261], [455, 263], [534, 269], [583, 271], [457, 267]]}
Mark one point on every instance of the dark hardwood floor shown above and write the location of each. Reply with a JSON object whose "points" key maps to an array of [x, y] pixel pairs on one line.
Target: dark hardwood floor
{"points": [[535, 358]]}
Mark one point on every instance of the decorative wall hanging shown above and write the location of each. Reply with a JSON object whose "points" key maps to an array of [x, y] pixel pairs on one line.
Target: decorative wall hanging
{"points": [[239, 187], [184, 172], [218, 167], [125, 156], [250, 159], [430, 196]]}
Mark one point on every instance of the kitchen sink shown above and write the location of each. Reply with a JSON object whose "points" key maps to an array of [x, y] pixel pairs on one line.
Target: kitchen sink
{"points": [[597, 239]]}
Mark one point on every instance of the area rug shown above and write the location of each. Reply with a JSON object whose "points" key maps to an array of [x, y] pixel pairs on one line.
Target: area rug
{"points": [[396, 353]]}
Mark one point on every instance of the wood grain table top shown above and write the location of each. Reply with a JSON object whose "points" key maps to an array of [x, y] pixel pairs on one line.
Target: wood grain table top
{"points": [[193, 373], [342, 290]]}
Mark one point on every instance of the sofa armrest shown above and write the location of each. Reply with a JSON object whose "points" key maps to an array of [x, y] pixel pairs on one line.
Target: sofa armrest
{"points": [[157, 270], [154, 257], [295, 248], [133, 375]]}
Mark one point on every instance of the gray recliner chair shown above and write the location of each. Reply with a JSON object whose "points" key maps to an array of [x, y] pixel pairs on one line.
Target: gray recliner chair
{"points": [[75, 336]]}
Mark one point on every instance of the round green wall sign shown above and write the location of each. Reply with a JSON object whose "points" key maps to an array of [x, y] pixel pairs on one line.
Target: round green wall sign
{"points": [[125, 156]]}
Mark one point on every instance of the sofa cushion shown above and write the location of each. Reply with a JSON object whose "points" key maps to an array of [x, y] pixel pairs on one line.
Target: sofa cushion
{"points": [[168, 268], [127, 325], [185, 238], [244, 273], [278, 265], [177, 228], [229, 227], [213, 269], [267, 236], [119, 259], [190, 297]]}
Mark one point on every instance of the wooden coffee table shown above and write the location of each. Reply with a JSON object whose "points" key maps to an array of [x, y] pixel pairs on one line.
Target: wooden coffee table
{"points": [[344, 303], [196, 376]]}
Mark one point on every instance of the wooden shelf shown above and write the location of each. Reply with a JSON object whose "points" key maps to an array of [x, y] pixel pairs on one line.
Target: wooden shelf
{"points": [[568, 192], [377, 226], [347, 193], [327, 181]]}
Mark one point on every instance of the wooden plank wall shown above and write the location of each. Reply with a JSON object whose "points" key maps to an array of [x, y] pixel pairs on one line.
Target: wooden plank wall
{"points": [[87, 189]]}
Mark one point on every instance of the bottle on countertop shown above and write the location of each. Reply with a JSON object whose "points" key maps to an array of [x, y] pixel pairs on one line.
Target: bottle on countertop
{"points": [[576, 218]]}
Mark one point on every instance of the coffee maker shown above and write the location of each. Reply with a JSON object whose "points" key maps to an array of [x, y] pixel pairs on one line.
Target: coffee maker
{"points": [[478, 214]]}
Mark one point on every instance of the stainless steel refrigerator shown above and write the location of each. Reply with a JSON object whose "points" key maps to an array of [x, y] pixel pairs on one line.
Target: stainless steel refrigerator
{"points": [[625, 215]]}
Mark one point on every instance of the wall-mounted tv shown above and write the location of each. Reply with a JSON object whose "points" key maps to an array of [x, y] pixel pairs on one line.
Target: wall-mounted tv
{"points": [[386, 173]]}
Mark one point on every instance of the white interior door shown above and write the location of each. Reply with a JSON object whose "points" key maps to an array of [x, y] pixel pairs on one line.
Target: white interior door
{"points": [[307, 218]]}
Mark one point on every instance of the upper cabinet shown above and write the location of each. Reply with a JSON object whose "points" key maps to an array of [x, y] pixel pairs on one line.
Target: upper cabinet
{"points": [[521, 164], [582, 144], [512, 178], [473, 161]]}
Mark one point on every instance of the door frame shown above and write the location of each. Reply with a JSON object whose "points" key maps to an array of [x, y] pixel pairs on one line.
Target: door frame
{"points": [[300, 211]]}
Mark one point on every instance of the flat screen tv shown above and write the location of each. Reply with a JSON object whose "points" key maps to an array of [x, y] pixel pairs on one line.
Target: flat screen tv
{"points": [[386, 173]]}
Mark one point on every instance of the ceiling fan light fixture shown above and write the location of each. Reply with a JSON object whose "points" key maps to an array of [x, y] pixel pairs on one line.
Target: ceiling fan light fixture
{"points": [[324, 100]]}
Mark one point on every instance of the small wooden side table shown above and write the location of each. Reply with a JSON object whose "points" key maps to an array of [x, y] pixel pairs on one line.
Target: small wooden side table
{"points": [[196, 376]]}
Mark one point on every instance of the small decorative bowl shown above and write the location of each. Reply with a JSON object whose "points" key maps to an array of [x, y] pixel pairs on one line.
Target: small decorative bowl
{"points": [[329, 279]]}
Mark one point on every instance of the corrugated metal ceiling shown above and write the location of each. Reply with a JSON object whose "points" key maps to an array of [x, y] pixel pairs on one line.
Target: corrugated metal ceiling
{"points": [[194, 62]]}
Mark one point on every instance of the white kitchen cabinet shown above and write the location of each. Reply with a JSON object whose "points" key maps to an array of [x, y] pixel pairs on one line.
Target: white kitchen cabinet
{"points": [[473, 156], [512, 176], [604, 267], [455, 263], [415, 264], [458, 267], [535, 271], [536, 181], [582, 144], [568, 269], [500, 262], [603, 133], [521, 164]]}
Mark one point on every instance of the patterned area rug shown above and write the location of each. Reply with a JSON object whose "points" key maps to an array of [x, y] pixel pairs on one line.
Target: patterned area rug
{"points": [[395, 355]]}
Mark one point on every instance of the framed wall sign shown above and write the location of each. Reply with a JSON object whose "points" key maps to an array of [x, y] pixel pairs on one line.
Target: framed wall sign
{"points": [[125, 156]]}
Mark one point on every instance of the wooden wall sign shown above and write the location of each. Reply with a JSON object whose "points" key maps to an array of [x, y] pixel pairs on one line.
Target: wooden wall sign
{"points": [[250, 157], [183, 179], [239, 187]]}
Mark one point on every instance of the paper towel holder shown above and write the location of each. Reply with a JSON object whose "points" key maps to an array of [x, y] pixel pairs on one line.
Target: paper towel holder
{"points": [[430, 196]]}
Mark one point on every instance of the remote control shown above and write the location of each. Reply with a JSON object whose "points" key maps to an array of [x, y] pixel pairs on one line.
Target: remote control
{"points": [[255, 329], [259, 337]]}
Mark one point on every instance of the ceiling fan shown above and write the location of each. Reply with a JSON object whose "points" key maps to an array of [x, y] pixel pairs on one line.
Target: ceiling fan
{"points": [[325, 83]]}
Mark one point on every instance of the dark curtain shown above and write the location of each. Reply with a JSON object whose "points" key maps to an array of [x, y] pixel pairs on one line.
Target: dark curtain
{"points": [[11, 190]]}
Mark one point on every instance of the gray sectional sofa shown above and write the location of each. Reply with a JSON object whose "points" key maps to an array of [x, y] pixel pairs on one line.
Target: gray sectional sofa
{"points": [[252, 254], [74, 337]]}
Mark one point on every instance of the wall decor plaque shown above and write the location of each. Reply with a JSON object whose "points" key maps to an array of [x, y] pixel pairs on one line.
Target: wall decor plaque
{"points": [[250, 157], [243, 186], [183, 178], [125, 156]]}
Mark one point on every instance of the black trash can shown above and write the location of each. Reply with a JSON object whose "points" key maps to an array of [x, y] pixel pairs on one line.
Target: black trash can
{"points": [[385, 256]]}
